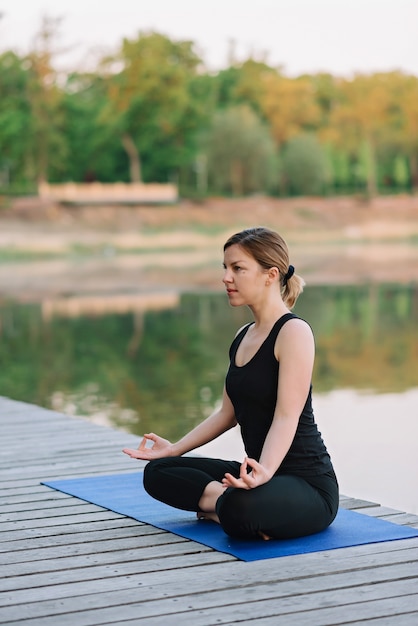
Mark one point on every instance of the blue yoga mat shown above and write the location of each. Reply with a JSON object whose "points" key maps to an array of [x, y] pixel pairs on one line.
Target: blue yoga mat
{"points": [[124, 494]]}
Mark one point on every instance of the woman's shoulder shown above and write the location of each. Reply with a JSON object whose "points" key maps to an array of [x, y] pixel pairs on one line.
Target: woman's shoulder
{"points": [[295, 334], [242, 328], [294, 325]]}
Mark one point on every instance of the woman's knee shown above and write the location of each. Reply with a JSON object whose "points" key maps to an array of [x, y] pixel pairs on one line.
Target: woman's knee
{"points": [[151, 474], [236, 514]]}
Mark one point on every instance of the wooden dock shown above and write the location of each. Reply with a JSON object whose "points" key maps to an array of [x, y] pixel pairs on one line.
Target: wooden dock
{"points": [[67, 562]]}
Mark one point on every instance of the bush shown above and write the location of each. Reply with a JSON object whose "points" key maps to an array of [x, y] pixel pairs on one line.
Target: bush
{"points": [[304, 165]]}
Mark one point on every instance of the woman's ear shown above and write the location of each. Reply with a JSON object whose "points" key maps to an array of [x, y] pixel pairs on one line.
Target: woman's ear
{"points": [[273, 273]]}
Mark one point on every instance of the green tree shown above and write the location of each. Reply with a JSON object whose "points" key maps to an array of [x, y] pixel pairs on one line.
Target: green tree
{"points": [[15, 119], [359, 119], [94, 152], [341, 169], [289, 106], [242, 84], [400, 171], [150, 104], [45, 98], [241, 152], [304, 165], [326, 93], [404, 118]]}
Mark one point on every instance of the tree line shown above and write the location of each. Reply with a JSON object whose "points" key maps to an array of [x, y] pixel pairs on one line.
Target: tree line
{"points": [[152, 112]]}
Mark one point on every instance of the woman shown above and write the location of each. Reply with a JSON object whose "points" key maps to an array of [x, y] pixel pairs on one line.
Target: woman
{"points": [[286, 486]]}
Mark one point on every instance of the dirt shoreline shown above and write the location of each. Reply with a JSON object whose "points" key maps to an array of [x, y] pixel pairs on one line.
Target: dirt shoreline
{"points": [[136, 249]]}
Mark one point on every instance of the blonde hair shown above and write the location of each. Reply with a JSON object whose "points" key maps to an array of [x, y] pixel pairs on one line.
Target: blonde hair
{"points": [[269, 249]]}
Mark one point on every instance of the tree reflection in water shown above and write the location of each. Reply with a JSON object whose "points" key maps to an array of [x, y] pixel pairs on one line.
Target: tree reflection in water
{"points": [[163, 368]]}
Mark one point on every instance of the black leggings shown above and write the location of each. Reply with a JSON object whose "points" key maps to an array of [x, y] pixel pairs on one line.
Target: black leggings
{"points": [[285, 507]]}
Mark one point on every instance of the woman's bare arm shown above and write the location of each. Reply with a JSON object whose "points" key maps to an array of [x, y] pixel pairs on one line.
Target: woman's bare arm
{"points": [[221, 420], [296, 352]]}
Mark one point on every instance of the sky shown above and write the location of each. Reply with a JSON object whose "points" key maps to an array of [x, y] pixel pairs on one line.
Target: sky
{"points": [[302, 36]]}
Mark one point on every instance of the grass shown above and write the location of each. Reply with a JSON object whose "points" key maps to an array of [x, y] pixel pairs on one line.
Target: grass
{"points": [[11, 255], [307, 214], [189, 226], [77, 251]]}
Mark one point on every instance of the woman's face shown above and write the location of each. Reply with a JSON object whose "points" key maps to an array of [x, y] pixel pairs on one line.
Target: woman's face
{"points": [[244, 278]]}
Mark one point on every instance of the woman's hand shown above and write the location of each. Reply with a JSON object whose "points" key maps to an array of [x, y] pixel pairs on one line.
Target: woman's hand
{"points": [[160, 448], [248, 480]]}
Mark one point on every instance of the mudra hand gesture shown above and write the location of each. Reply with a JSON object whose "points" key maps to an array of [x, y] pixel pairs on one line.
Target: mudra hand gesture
{"points": [[160, 448], [248, 480]]}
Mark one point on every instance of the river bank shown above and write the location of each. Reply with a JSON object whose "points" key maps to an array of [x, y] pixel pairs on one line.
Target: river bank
{"points": [[47, 249]]}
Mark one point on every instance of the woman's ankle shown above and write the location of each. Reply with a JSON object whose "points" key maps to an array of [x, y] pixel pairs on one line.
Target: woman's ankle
{"points": [[207, 502], [208, 516]]}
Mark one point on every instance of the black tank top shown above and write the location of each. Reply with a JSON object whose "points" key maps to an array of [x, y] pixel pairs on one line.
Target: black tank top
{"points": [[252, 389]]}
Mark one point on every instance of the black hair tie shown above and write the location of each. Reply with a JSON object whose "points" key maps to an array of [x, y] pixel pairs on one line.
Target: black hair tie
{"points": [[288, 274]]}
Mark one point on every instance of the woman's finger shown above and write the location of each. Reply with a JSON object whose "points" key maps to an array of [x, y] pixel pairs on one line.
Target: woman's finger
{"points": [[151, 436], [243, 468], [130, 452], [143, 443], [231, 481], [253, 463]]}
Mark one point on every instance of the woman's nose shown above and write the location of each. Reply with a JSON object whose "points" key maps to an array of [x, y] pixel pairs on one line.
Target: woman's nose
{"points": [[227, 277]]}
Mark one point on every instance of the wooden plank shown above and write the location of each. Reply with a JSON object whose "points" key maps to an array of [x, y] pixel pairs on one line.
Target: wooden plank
{"points": [[66, 529], [52, 554], [108, 557], [97, 532], [190, 558], [356, 503], [404, 519], [157, 601], [340, 614], [381, 511], [65, 470], [12, 502], [67, 561], [43, 504], [46, 513], [406, 619], [268, 612], [230, 573], [102, 514]]}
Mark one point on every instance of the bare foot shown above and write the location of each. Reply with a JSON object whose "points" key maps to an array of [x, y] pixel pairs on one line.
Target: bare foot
{"points": [[264, 536], [208, 515]]}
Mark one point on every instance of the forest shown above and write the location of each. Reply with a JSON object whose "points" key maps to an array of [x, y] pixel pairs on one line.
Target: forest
{"points": [[153, 112]]}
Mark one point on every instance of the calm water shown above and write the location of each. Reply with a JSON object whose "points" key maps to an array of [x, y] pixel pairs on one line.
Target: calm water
{"points": [[160, 366]]}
